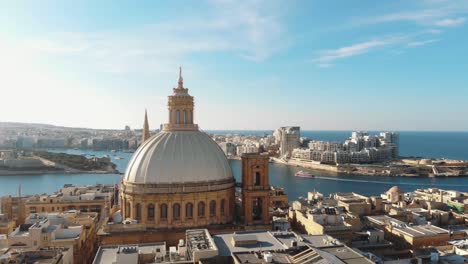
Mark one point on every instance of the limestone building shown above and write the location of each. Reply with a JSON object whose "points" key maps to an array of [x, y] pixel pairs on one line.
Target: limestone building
{"points": [[179, 177]]}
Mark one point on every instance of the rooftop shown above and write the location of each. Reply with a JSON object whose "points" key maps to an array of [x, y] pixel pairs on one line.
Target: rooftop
{"points": [[263, 239]]}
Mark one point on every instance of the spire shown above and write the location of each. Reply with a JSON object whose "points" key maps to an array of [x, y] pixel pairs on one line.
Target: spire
{"points": [[181, 80], [146, 132]]}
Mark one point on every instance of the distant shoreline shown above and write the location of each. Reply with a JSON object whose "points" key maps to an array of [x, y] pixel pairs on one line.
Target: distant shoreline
{"points": [[42, 172], [347, 169]]}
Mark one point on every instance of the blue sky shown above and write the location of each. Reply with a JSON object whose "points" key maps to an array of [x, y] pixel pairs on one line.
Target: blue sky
{"points": [[325, 65]]}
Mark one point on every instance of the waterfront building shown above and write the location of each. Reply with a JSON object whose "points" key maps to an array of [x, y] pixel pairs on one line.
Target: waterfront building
{"points": [[247, 147], [110, 144], [22, 163], [325, 145], [391, 138], [342, 157], [25, 142], [299, 153], [51, 143], [289, 140], [229, 148], [328, 157], [358, 134], [359, 148]]}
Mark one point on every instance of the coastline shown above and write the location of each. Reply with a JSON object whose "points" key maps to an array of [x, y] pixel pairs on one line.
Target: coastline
{"points": [[42, 172], [377, 170]]}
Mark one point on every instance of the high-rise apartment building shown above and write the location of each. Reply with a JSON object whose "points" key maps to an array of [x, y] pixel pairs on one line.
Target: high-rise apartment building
{"points": [[289, 140]]}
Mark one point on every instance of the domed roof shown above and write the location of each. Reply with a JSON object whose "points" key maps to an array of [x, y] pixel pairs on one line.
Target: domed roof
{"points": [[178, 157], [395, 189]]}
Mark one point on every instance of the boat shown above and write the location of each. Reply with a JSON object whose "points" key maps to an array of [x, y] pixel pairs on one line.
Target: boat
{"points": [[304, 174], [119, 158]]}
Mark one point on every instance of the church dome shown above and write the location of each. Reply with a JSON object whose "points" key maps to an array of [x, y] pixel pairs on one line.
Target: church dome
{"points": [[395, 189], [177, 157]]}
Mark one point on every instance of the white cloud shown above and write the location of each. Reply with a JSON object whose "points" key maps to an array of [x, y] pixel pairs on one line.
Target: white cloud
{"points": [[328, 56], [422, 43], [424, 13], [449, 22], [252, 29]]}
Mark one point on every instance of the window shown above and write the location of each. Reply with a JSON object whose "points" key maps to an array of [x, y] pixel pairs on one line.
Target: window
{"points": [[150, 212], [223, 205], [43, 209], [257, 209], [189, 210], [176, 211], [201, 209], [185, 117], [177, 117], [212, 208], [257, 178], [164, 211], [138, 211], [32, 210]]}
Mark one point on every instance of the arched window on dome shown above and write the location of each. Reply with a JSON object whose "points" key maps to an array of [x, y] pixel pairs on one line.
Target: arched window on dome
{"points": [[138, 211], [201, 209], [223, 206], [164, 211], [189, 210], [184, 115], [176, 211], [177, 117], [150, 212], [191, 117], [213, 208]]}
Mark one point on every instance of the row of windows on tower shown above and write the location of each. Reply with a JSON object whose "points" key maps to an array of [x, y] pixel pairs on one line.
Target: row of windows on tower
{"points": [[183, 117], [176, 210]]}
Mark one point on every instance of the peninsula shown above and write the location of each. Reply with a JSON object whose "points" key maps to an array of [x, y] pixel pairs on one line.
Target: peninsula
{"points": [[13, 162]]}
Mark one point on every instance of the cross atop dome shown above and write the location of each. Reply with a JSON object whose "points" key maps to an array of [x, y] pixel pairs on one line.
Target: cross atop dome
{"points": [[180, 90], [181, 80]]}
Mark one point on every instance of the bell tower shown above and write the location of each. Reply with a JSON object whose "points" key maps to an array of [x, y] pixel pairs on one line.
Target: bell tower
{"points": [[180, 106], [255, 189]]}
